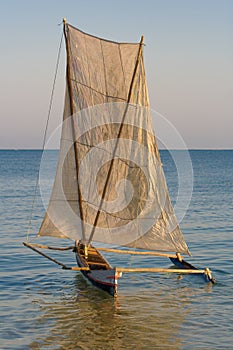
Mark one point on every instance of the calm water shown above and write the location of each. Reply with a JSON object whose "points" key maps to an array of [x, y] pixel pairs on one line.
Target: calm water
{"points": [[44, 307]]}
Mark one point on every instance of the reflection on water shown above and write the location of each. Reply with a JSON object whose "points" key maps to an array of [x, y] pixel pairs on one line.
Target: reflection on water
{"points": [[43, 307], [140, 318]]}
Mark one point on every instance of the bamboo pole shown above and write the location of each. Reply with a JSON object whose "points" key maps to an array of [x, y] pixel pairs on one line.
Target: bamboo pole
{"points": [[70, 90], [44, 255], [65, 267], [75, 268], [154, 269], [42, 246], [110, 250], [119, 251], [122, 269], [147, 269]]}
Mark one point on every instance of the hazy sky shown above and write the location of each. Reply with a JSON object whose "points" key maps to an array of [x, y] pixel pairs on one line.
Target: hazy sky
{"points": [[188, 57]]}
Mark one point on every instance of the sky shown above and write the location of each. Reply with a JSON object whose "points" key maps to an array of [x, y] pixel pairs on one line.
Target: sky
{"points": [[188, 59]]}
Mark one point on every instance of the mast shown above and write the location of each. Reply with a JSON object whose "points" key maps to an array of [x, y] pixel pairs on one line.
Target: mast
{"points": [[69, 84], [118, 136]]}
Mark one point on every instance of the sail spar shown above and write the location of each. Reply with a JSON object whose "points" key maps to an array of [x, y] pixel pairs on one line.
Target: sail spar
{"points": [[110, 185]]}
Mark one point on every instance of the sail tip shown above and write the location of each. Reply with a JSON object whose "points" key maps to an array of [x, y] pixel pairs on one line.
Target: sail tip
{"points": [[64, 20]]}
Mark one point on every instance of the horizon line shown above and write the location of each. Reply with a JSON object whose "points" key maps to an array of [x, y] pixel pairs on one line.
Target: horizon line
{"points": [[160, 149]]}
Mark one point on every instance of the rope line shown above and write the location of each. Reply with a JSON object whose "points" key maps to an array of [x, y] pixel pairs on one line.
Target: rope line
{"points": [[45, 134]]}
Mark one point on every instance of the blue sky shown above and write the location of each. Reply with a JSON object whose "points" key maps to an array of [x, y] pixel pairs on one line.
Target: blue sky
{"points": [[188, 57]]}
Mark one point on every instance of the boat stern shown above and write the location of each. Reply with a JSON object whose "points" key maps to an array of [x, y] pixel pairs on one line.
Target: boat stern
{"points": [[108, 280]]}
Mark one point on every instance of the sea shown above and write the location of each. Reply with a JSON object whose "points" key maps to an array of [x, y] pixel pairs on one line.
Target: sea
{"points": [[45, 307]]}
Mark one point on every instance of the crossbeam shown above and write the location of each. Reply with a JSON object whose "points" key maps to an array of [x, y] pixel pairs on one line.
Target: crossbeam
{"points": [[155, 269], [65, 267], [76, 268], [119, 251], [28, 245], [42, 246]]}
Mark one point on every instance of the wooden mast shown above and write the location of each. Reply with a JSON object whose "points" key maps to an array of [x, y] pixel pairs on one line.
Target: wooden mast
{"points": [[118, 136], [70, 90]]}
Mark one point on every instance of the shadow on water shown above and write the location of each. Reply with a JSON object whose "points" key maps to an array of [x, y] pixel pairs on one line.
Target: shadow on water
{"points": [[145, 316]]}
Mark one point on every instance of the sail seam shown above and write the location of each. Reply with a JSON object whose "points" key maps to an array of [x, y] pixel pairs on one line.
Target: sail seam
{"points": [[102, 149], [99, 92], [122, 68], [88, 69], [116, 157], [105, 77], [112, 214]]}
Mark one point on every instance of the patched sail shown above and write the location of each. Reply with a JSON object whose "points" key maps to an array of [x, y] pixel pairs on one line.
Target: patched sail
{"points": [[110, 185]]}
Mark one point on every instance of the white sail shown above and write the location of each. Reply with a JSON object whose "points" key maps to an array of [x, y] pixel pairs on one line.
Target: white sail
{"points": [[110, 185]]}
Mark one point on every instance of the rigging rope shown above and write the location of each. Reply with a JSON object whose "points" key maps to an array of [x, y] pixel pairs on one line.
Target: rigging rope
{"points": [[45, 134]]}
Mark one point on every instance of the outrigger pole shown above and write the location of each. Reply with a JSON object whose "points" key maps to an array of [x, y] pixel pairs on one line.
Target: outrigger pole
{"points": [[190, 270], [32, 246]]}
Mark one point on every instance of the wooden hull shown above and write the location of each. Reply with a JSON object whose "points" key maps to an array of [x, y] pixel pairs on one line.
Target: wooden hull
{"points": [[101, 274]]}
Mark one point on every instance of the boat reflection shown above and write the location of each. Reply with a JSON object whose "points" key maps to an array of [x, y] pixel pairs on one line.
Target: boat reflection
{"points": [[149, 315]]}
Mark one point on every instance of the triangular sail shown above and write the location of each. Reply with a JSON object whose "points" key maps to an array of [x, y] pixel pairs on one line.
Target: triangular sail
{"points": [[110, 185]]}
